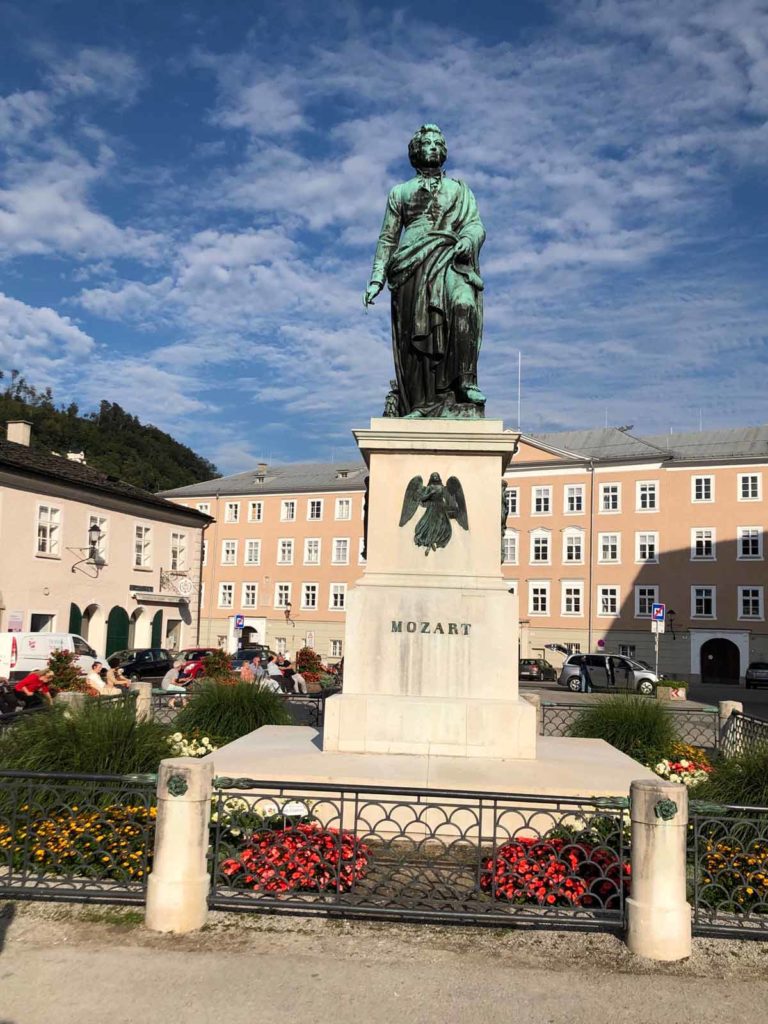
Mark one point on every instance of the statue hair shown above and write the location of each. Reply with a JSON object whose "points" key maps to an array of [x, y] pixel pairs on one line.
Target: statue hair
{"points": [[414, 146]]}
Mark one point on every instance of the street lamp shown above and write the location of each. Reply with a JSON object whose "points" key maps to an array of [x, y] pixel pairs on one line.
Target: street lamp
{"points": [[94, 536]]}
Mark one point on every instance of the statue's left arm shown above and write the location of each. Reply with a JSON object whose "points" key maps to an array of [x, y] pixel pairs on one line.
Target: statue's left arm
{"points": [[472, 231]]}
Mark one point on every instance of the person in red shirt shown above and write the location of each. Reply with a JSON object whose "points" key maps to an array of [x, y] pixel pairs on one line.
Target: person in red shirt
{"points": [[34, 687]]}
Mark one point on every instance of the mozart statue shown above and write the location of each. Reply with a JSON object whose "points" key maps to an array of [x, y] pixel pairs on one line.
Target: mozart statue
{"points": [[428, 254]]}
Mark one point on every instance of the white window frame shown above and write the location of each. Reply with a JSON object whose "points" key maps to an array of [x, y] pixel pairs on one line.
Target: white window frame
{"points": [[713, 589], [645, 586], [179, 563], [604, 485], [221, 603], [543, 491], [337, 589], [204, 506], [600, 542], [244, 602], [310, 503], [578, 587], [229, 545], [279, 559], [579, 489], [102, 548], [281, 645], [287, 594], [310, 607], [740, 530], [603, 590], [313, 540], [710, 480], [760, 599], [568, 534], [647, 561], [740, 486], [288, 505], [232, 512], [541, 534], [514, 537], [336, 560], [336, 648], [545, 588], [146, 549], [512, 494], [712, 539], [255, 511], [639, 484], [54, 531], [337, 510], [248, 544]]}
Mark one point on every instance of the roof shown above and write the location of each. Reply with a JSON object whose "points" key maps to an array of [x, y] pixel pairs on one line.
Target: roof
{"points": [[290, 478], [707, 445], [44, 465], [604, 443]]}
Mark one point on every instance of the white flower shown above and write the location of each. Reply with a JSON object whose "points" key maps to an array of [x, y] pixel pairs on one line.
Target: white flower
{"points": [[177, 736], [205, 741], [685, 764], [660, 767]]}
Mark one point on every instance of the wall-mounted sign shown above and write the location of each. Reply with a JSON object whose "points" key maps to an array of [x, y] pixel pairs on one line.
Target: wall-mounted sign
{"points": [[15, 622]]}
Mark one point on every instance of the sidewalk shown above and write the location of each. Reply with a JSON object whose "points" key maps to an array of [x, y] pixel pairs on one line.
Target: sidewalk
{"points": [[89, 965]]}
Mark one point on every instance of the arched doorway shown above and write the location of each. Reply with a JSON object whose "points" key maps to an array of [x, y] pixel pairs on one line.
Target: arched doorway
{"points": [[720, 662], [92, 628], [139, 629], [157, 630], [117, 630], [75, 619], [250, 636]]}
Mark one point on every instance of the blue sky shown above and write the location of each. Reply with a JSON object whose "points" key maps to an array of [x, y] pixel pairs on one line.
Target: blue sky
{"points": [[190, 195]]}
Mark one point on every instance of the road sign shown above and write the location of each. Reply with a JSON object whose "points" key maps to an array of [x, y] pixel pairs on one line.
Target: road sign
{"points": [[658, 626], [658, 612], [601, 644], [239, 621]]}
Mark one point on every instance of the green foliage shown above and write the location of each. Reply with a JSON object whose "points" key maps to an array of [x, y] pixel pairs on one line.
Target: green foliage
{"points": [[641, 728], [98, 738], [218, 666], [741, 780], [66, 673], [224, 713], [676, 684], [113, 440]]}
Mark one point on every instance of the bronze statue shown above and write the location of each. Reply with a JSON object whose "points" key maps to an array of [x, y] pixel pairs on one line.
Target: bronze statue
{"points": [[442, 503], [428, 253]]}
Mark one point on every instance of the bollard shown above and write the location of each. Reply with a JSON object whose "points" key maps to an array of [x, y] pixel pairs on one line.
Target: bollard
{"points": [[725, 709], [658, 914], [177, 891], [143, 700]]}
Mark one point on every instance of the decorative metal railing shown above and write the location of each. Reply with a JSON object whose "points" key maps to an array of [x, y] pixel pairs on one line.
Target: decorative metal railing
{"points": [[81, 837], [418, 854], [306, 708], [744, 734], [728, 869], [166, 705], [697, 726]]}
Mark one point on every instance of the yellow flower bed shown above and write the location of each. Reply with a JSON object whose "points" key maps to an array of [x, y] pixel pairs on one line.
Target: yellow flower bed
{"points": [[735, 874], [108, 843]]}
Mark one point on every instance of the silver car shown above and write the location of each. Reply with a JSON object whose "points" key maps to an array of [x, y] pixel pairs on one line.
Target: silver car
{"points": [[609, 672]]}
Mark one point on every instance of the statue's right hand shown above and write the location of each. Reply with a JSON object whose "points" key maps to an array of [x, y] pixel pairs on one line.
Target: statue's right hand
{"points": [[371, 292]]}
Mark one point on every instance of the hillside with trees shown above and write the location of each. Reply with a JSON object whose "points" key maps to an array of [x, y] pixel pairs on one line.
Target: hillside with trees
{"points": [[112, 439]]}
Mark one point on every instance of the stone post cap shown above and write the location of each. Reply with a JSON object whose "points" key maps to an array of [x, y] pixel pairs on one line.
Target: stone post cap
{"points": [[185, 779], [658, 802]]}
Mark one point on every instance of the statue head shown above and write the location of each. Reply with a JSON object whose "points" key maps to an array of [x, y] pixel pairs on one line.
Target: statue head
{"points": [[427, 148]]}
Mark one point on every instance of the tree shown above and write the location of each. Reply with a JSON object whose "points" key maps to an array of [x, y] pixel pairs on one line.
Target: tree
{"points": [[66, 673]]}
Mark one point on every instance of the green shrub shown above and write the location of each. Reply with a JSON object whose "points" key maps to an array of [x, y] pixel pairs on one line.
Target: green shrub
{"points": [[742, 780], [218, 665], [639, 727], [93, 739], [224, 713], [66, 672]]}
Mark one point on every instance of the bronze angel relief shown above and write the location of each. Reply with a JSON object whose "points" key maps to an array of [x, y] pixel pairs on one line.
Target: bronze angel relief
{"points": [[442, 503]]}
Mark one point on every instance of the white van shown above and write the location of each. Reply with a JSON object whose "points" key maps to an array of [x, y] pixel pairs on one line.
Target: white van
{"points": [[22, 653]]}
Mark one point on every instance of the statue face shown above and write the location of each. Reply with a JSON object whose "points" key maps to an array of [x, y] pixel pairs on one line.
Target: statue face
{"points": [[427, 148]]}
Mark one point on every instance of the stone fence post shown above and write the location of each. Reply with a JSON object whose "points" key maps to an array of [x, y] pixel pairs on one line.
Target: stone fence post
{"points": [[143, 692], [535, 699], [177, 892], [658, 915], [725, 709], [71, 698]]}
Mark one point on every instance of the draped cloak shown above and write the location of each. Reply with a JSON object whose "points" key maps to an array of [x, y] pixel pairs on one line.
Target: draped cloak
{"points": [[435, 339]]}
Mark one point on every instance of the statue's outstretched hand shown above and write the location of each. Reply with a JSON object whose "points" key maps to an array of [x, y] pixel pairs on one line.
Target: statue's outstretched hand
{"points": [[371, 292], [463, 249]]}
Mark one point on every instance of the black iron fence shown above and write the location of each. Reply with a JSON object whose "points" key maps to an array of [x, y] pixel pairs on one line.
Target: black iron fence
{"points": [[306, 708], [76, 837], [744, 733], [418, 854], [165, 705], [697, 726], [728, 869]]}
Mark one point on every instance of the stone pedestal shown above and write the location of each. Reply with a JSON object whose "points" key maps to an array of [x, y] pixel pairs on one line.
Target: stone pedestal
{"points": [[431, 656]]}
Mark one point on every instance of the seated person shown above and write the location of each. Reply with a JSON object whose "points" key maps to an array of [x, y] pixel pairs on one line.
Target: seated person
{"points": [[116, 678], [170, 679], [34, 689], [94, 680], [299, 683]]}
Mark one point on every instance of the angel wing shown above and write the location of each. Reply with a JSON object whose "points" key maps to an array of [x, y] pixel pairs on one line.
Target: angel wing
{"points": [[411, 499], [456, 491]]}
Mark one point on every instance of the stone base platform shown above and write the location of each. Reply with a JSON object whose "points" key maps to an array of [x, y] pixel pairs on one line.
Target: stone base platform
{"points": [[563, 767]]}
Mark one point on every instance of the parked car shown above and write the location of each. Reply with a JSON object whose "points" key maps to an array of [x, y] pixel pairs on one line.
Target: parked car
{"points": [[193, 661], [537, 670], [144, 662], [609, 672], [249, 653], [21, 653], [756, 674]]}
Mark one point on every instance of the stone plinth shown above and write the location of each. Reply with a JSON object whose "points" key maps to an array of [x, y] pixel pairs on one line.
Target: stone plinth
{"points": [[432, 636]]}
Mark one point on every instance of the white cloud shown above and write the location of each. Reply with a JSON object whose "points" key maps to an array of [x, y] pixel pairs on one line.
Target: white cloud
{"points": [[38, 338], [95, 71]]}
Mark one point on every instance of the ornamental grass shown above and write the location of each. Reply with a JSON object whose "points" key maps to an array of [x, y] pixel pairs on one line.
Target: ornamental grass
{"points": [[741, 779], [637, 726], [224, 713]]}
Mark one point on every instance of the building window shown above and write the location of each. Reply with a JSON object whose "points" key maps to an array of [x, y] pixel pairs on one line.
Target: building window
{"points": [[250, 595], [285, 551], [281, 645], [287, 511], [542, 501], [340, 551], [540, 547], [573, 598], [645, 598], [573, 546], [750, 541], [178, 552], [229, 552], [511, 495], [703, 545], [103, 524], [309, 596], [703, 602], [226, 595], [253, 552], [49, 530], [610, 497], [703, 488], [312, 551], [607, 600], [647, 547], [609, 547], [343, 508], [232, 512], [572, 648], [338, 596], [509, 547], [282, 595], [750, 602], [749, 486], [647, 497], [142, 547], [337, 648], [204, 506], [627, 651], [315, 508], [538, 602], [255, 511], [574, 499]]}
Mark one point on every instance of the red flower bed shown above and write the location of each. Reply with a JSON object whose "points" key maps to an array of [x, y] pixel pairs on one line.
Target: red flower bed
{"points": [[552, 872], [302, 858]]}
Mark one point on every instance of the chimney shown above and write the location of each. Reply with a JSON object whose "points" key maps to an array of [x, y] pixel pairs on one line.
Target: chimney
{"points": [[261, 472], [19, 431]]}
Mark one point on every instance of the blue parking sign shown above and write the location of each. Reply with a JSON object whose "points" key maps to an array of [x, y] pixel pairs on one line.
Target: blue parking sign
{"points": [[239, 621], [658, 612]]}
